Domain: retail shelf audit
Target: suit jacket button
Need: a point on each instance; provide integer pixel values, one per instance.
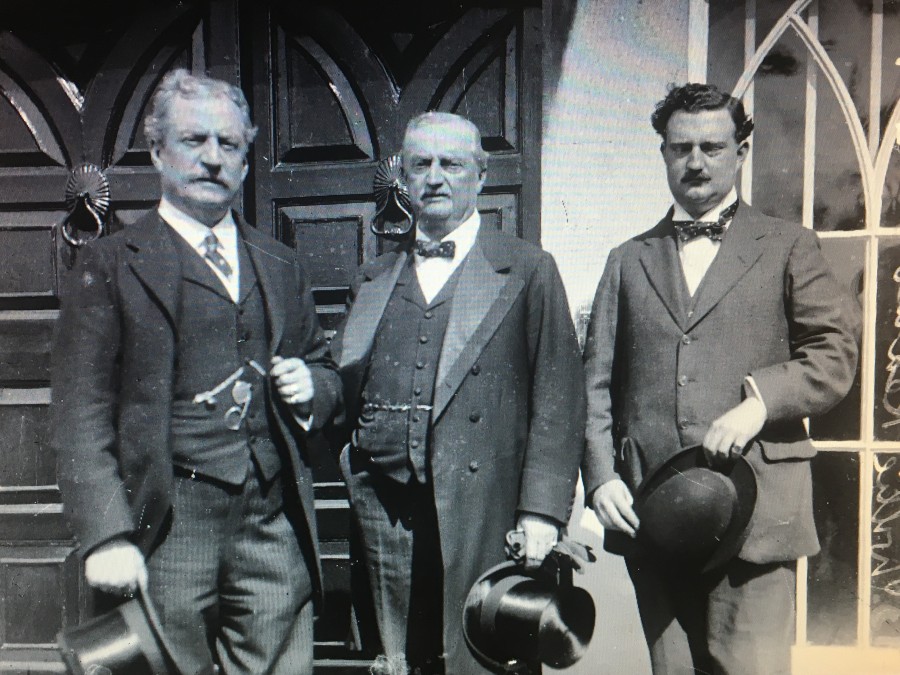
(423, 339)
(683, 380)
(686, 339)
(474, 417)
(683, 424)
(473, 466)
(428, 314)
(414, 444)
(476, 369)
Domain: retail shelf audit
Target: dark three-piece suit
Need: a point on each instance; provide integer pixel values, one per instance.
(145, 326)
(470, 408)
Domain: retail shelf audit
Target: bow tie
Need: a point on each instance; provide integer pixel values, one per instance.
(433, 249)
(690, 229)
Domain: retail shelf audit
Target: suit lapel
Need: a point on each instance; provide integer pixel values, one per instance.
(368, 307)
(661, 264)
(483, 296)
(270, 276)
(740, 249)
(154, 259)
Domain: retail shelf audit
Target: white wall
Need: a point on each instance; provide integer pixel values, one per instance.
(603, 178)
(603, 181)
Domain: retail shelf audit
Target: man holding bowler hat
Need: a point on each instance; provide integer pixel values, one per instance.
(722, 328)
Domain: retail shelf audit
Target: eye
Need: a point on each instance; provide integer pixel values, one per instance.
(712, 149)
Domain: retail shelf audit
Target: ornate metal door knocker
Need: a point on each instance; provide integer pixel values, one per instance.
(393, 211)
(87, 201)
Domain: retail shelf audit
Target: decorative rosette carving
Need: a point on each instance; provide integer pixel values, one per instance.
(87, 201)
(393, 211)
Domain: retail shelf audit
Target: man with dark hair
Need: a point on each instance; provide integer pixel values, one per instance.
(465, 397)
(719, 327)
(187, 368)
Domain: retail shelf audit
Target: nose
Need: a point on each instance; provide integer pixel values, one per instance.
(434, 176)
(695, 159)
(211, 154)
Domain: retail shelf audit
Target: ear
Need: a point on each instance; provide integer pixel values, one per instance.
(662, 148)
(246, 169)
(742, 151)
(482, 177)
(154, 156)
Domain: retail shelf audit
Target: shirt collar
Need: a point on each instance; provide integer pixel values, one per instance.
(464, 236)
(193, 231)
(710, 216)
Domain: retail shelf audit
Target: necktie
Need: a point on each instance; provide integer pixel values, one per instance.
(211, 253)
(433, 249)
(690, 229)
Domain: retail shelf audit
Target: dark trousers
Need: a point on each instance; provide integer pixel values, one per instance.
(400, 548)
(738, 620)
(230, 582)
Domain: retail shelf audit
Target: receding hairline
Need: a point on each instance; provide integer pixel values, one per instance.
(445, 119)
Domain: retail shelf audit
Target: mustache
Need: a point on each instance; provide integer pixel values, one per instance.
(694, 177)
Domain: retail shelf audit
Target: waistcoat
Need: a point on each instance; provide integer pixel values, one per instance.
(395, 418)
(216, 337)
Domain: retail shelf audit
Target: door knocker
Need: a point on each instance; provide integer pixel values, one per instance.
(87, 201)
(393, 211)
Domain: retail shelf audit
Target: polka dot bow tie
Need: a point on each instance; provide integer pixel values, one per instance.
(433, 249)
(690, 229)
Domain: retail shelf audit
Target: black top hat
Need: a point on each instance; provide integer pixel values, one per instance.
(691, 514)
(127, 640)
(514, 617)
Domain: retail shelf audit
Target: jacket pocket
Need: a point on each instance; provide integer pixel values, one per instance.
(778, 451)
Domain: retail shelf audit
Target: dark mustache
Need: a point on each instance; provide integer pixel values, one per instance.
(693, 177)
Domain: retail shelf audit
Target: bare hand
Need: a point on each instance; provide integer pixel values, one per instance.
(541, 535)
(116, 567)
(293, 380)
(729, 434)
(612, 502)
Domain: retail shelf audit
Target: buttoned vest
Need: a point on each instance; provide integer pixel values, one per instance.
(395, 418)
(216, 337)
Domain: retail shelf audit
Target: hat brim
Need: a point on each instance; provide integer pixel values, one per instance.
(742, 478)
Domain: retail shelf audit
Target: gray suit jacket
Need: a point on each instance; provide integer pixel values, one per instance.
(661, 366)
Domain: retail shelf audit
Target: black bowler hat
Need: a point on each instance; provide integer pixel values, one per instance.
(514, 617)
(127, 640)
(694, 515)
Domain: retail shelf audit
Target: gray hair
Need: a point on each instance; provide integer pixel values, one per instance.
(181, 83)
(435, 117)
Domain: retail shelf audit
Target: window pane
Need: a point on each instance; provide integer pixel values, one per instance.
(885, 617)
(832, 576)
(887, 343)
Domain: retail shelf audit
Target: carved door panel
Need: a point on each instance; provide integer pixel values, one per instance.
(331, 85)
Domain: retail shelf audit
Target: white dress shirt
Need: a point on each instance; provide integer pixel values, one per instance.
(698, 253)
(433, 273)
(194, 232)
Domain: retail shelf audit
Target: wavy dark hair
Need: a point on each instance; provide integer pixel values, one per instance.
(694, 97)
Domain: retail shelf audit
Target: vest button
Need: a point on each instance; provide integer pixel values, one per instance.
(416, 419)
(476, 369)
(414, 444)
(691, 314)
(423, 339)
(420, 365)
(473, 466)
(683, 424)
(686, 339)
(417, 391)
(429, 314)
(683, 380)
(474, 417)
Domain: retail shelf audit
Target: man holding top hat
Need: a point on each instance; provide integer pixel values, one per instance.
(188, 366)
(719, 329)
(465, 397)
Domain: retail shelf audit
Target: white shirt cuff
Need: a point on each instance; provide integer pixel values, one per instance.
(750, 389)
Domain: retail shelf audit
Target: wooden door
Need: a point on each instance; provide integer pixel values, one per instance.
(331, 85)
